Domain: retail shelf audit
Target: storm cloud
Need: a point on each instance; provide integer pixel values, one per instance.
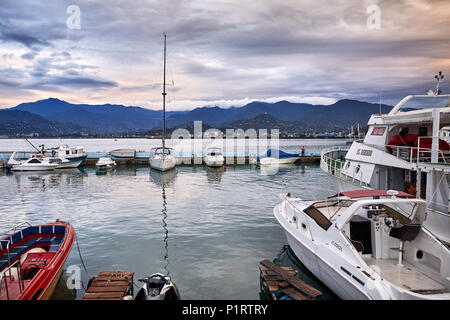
(224, 53)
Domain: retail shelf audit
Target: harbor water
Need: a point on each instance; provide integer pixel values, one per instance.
(206, 228)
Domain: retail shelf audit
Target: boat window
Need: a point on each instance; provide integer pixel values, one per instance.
(423, 131)
(34, 161)
(357, 168)
(67, 152)
(348, 165)
(318, 217)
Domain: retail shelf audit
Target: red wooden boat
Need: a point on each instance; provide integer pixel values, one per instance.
(32, 260)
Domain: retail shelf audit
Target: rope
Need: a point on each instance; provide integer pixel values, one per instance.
(81, 258)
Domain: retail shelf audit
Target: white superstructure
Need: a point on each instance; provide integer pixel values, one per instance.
(402, 151)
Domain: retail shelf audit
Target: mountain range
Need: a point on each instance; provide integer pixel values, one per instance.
(53, 117)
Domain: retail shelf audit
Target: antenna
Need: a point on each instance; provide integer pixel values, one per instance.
(379, 112)
(438, 77)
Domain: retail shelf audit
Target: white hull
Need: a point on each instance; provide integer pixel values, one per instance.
(162, 164)
(214, 161)
(328, 275)
(275, 161)
(38, 167)
(70, 164)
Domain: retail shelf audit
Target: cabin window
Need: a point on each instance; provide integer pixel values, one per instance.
(347, 165)
(357, 168)
(378, 131)
(423, 131)
(67, 152)
(34, 161)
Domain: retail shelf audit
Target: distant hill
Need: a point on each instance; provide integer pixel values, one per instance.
(119, 119)
(107, 118)
(13, 122)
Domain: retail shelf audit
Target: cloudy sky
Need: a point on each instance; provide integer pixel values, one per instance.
(224, 53)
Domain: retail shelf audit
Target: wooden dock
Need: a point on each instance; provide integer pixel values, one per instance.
(276, 280)
(110, 285)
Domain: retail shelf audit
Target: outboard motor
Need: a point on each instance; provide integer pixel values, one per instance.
(157, 287)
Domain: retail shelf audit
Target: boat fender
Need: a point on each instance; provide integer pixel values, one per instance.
(128, 297)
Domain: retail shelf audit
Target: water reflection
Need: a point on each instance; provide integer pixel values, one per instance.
(164, 179)
(42, 180)
(214, 175)
(279, 169)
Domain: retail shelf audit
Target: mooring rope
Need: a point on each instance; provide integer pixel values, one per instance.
(81, 258)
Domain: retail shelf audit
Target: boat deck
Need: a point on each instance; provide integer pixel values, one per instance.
(406, 276)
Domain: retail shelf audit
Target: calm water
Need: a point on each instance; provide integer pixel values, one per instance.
(208, 228)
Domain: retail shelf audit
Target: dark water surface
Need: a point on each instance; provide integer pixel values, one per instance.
(207, 228)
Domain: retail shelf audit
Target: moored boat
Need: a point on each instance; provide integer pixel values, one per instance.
(274, 157)
(214, 157)
(36, 162)
(32, 260)
(157, 287)
(105, 163)
(368, 244)
(122, 153)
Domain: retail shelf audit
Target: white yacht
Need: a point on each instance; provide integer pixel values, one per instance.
(105, 163)
(36, 162)
(214, 157)
(402, 151)
(368, 244)
(162, 158)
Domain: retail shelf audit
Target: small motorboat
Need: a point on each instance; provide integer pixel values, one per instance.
(274, 157)
(368, 244)
(105, 163)
(162, 159)
(214, 157)
(32, 260)
(36, 162)
(157, 287)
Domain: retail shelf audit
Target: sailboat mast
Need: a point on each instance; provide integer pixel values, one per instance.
(164, 97)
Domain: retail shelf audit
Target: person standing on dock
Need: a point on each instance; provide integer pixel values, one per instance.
(303, 151)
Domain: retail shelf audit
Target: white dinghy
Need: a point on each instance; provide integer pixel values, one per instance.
(368, 244)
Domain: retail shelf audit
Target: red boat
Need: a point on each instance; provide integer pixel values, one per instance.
(32, 260)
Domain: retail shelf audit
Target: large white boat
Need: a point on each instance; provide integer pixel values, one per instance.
(402, 151)
(214, 157)
(368, 244)
(36, 162)
(71, 157)
(162, 158)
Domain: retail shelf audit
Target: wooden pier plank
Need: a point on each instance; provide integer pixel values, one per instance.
(109, 285)
(296, 282)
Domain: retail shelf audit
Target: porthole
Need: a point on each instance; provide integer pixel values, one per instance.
(347, 165)
(294, 218)
(358, 167)
(304, 226)
(419, 254)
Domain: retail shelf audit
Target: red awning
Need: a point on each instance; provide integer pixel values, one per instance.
(371, 193)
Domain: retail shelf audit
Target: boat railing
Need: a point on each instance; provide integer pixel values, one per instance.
(419, 154)
(7, 249)
(334, 166)
(5, 277)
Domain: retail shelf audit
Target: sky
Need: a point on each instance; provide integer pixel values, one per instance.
(224, 53)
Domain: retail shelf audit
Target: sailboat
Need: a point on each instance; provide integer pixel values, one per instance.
(162, 158)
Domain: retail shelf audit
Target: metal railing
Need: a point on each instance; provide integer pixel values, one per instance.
(334, 167)
(418, 154)
(5, 277)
